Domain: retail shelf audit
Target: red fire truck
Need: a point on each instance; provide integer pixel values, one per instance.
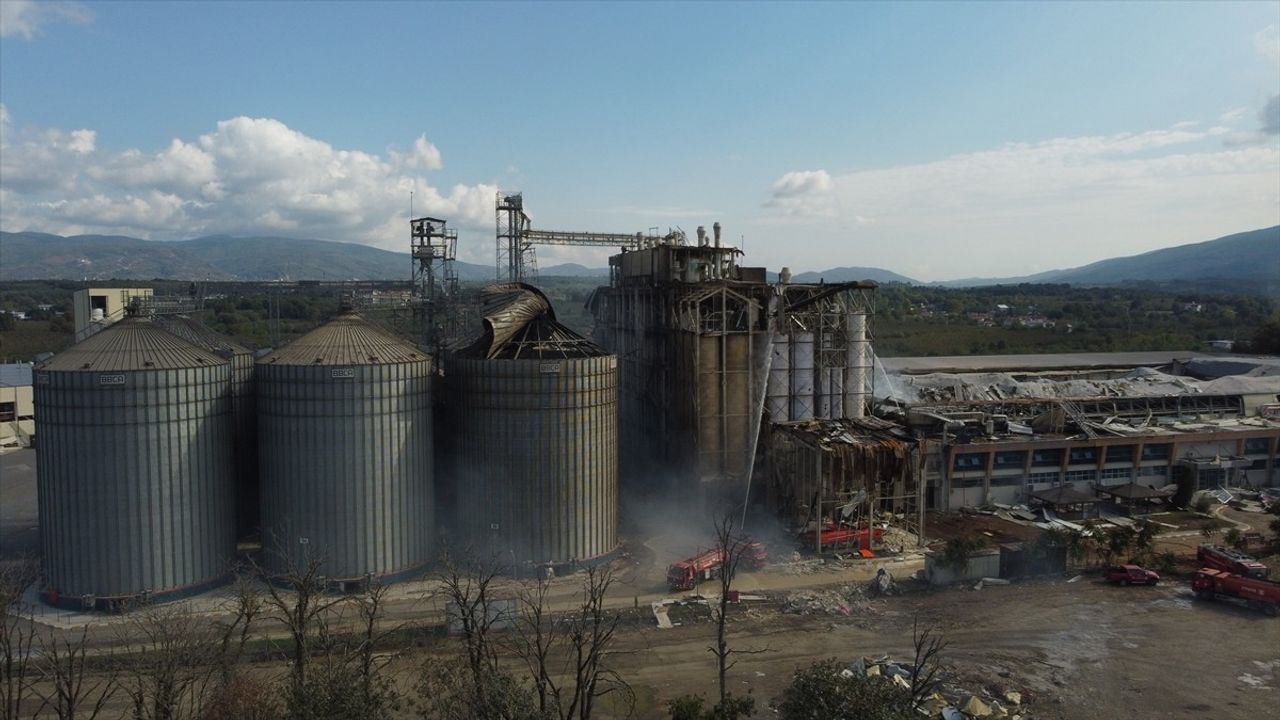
(685, 574)
(1231, 561)
(1257, 593)
(834, 536)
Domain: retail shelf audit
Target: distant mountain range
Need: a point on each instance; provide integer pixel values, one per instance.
(1248, 261)
(850, 274)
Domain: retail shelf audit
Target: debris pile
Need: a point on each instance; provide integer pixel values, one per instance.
(882, 584)
(949, 701)
(845, 600)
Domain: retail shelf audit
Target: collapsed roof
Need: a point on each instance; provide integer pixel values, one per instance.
(519, 323)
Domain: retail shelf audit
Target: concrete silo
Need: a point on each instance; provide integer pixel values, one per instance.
(345, 452)
(244, 413)
(134, 467)
(533, 408)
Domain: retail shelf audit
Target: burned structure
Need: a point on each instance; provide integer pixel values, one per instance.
(710, 351)
(534, 429)
(1129, 431)
(843, 480)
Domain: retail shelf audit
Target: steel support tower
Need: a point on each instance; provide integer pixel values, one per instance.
(433, 248)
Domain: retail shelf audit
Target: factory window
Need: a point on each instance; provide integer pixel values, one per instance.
(971, 461)
(1115, 474)
(8, 413)
(1257, 446)
(968, 482)
(1259, 464)
(1082, 476)
(1014, 459)
(1154, 471)
(1043, 477)
(1120, 453)
(1047, 457)
(1211, 478)
(1084, 455)
(1155, 452)
(1006, 480)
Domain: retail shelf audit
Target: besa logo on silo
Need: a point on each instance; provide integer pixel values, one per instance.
(111, 379)
(342, 373)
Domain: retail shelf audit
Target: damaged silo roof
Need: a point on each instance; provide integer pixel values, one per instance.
(519, 322)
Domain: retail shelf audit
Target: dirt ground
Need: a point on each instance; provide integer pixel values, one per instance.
(1076, 650)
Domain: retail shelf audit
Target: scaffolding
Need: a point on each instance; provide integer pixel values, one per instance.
(433, 249)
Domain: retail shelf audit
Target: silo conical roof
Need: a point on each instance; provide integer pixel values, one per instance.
(346, 340)
(131, 344)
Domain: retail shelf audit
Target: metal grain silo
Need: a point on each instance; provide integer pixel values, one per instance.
(134, 467)
(534, 414)
(345, 452)
(244, 413)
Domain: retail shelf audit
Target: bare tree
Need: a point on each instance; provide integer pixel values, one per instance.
(928, 644)
(466, 583)
(65, 673)
(732, 547)
(582, 640)
(297, 599)
(17, 633)
(233, 634)
(535, 635)
(590, 634)
(167, 672)
(370, 609)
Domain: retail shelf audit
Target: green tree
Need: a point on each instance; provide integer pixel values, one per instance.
(956, 553)
(693, 707)
(827, 690)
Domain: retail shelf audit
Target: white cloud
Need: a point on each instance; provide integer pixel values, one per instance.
(27, 18)
(1267, 43)
(1064, 202)
(803, 192)
(1232, 116)
(247, 176)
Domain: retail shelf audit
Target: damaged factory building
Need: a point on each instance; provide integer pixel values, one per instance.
(737, 389)
(741, 388)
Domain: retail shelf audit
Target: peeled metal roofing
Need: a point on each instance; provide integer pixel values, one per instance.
(131, 344)
(199, 334)
(346, 340)
(519, 322)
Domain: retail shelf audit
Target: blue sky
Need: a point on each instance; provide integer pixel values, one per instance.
(936, 140)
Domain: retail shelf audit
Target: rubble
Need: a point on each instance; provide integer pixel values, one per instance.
(844, 600)
(882, 584)
(950, 701)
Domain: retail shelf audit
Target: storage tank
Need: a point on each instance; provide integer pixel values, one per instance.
(244, 413)
(534, 415)
(345, 452)
(134, 467)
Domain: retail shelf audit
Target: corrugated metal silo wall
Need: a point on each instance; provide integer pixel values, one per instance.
(537, 462)
(346, 467)
(244, 421)
(135, 479)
